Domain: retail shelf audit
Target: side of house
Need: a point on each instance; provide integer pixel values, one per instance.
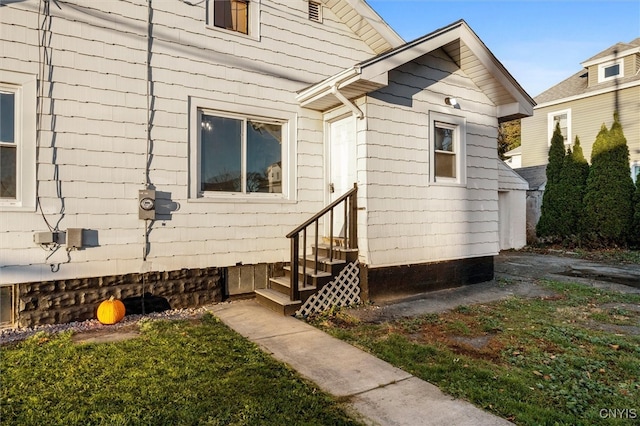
(165, 149)
(608, 82)
(110, 98)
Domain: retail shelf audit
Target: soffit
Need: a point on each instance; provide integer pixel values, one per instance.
(461, 45)
(366, 23)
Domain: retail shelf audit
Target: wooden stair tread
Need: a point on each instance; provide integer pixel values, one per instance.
(286, 282)
(309, 272)
(325, 260)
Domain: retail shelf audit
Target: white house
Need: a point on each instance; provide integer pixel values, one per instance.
(139, 138)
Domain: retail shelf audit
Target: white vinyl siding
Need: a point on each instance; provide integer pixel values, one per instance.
(94, 131)
(408, 218)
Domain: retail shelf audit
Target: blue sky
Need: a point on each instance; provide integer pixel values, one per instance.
(540, 42)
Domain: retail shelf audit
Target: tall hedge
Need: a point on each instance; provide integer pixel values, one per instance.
(550, 223)
(608, 212)
(573, 182)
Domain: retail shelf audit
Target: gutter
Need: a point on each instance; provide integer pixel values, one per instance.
(332, 86)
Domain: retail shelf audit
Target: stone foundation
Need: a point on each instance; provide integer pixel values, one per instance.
(57, 302)
(407, 280)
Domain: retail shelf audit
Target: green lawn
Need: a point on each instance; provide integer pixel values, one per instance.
(572, 359)
(175, 373)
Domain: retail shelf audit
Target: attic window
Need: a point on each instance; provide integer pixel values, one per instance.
(232, 15)
(315, 11)
(610, 70)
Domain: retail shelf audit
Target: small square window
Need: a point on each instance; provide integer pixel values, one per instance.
(232, 15)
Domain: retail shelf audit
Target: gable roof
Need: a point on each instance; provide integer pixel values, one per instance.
(366, 23)
(578, 84)
(509, 179)
(458, 41)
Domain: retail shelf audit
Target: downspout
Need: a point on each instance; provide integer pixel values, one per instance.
(346, 102)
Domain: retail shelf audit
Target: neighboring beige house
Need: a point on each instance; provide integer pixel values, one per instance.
(608, 82)
(139, 144)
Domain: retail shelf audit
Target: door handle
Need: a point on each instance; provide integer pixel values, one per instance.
(332, 189)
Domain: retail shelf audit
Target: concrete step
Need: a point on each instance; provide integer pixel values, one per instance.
(277, 301)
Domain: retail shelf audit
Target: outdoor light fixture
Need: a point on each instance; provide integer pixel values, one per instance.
(451, 101)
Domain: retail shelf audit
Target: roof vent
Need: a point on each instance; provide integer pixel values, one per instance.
(315, 11)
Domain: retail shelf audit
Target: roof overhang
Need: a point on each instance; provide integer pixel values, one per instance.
(611, 57)
(458, 41)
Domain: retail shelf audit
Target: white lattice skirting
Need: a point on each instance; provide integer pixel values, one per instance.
(344, 290)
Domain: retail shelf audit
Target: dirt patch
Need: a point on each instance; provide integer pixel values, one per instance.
(106, 335)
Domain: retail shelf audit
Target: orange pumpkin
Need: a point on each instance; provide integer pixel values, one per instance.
(111, 311)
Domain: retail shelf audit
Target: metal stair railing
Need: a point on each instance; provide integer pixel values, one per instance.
(350, 201)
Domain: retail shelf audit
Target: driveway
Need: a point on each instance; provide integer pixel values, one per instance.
(516, 274)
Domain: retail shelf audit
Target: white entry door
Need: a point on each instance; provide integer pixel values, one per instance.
(342, 165)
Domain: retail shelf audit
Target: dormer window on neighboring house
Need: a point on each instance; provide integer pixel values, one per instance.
(610, 70)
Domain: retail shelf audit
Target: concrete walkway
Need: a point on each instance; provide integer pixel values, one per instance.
(378, 392)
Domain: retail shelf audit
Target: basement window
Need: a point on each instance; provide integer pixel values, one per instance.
(315, 11)
(7, 306)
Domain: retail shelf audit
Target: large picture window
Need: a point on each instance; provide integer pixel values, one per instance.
(240, 154)
(447, 152)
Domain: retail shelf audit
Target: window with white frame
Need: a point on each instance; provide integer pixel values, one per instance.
(17, 140)
(562, 118)
(238, 16)
(447, 153)
(635, 172)
(240, 154)
(9, 136)
(610, 70)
